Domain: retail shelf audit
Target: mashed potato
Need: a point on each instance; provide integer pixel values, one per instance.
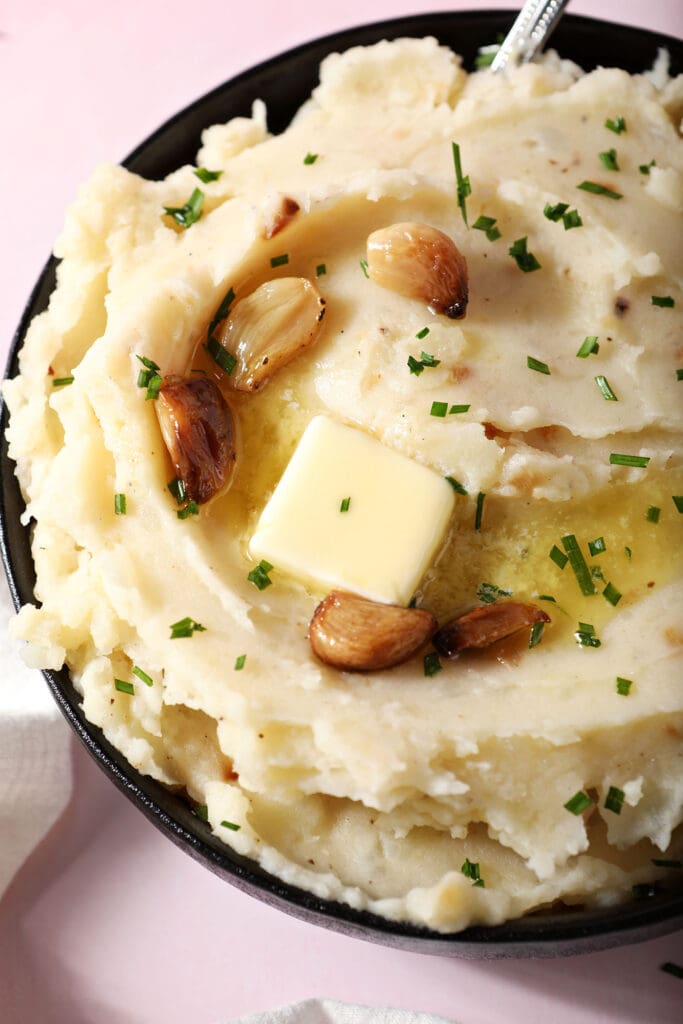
(438, 799)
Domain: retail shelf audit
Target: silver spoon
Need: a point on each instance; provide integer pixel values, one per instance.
(531, 30)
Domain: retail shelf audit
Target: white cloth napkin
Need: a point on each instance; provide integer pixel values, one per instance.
(35, 760)
(328, 1011)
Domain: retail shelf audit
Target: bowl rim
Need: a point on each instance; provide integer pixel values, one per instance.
(539, 934)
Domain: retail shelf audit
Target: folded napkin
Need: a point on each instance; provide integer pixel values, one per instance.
(35, 760)
(328, 1011)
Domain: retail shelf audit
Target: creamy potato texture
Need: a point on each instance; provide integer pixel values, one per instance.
(377, 788)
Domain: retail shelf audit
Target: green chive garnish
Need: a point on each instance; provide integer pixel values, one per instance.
(231, 825)
(220, 355)
(536, 634)
(579, 802)
(422, 334)
(191, 509)
(186, 627)
(671, 968)
(206, 176)
(431, 663)
(153, 387)
(536, 364)
(645, 168)
(486, 56)
(578, 564)
(479, 511)
(415, 366)
(239, 662)
(555, 212)
(608, 160)
(547, 597)
(320, 270)
(639, 461)
(611, 594)
(202, 812)
(188, 214)
(310, 158)
(458, 487)
(123, 687)
(462, 184)
(259, 576)
(177, 489)
(589, 347)
(455, 409)
(279, 261)
(438, 409)
(147, 680)
(585, 635)
(604, 388)
(221, 312)
(663, 300)
(572, 219)
(558, 557)
(119, 504)
(344, 507)
(597, 546)
(599, 190)
(614, 800)
(617, 125)
(471, 870)
(653, 513)
(678, 502)
(488, 593)
(526, 261)
(624, 686)
(61, 382)
(488, 226)
(428, 360)
(679, 374)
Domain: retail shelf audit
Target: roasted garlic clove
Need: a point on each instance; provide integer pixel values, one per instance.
(421, 262)
(484, 626)
(199, 431)
(269, 328)
(357, 635)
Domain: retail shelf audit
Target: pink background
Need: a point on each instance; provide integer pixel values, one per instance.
(108, 923)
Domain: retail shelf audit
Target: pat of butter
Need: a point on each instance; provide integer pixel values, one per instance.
(382, 544)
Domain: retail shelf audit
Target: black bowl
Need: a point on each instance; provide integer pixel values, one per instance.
(284, 83)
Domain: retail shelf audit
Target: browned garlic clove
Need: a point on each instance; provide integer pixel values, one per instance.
(199, 432)
(484, 626)
(421, 262)
(358, 635)
(268, 328)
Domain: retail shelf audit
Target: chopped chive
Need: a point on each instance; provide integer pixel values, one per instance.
(628, 552)
(344, 507)
(624, 686)
(599, 190)
(614, 800)
(428, 360)
(418, 365)
(310, 158)
(259, 576)
(479, 511)
(639, 461)
(653, 513)
(645, 168)
(526, 261)
(422, 334)
(438, 409)
(431, 664)
(153, 386)
(206, 176)
(190, 212)
(558, 556)
(587, 628)
(663, 300)
(589, 347)
(536, 634)
(202, 812)
(678, 502)
(578, 564)
(617, 125)
(279, 261)
(644, 891)
(608, 159)
(149, 364)
(239, 662)
(231, 825)
(62, 382)
(177, 489)
(144, 378)
(486, 56)
(488, 593)
(547, 597)
(679, 374)
(462, 183)
(612, 595)
(119, 504)
(586, 637)
(147, 680)
(186, 627)
(471, 870)
(455, 409)
(604, 388)
(579, 802)
(488, 226)
(597, 573)
(536, 364)
(221, 312)
(220, 355)
(670, 968)
(458, 487)
(597, 546)
(364, 267)
(123, 687)
(555, 212)
(191, 509)
(667, 863)
(320, 270)
(415, 365)
(572, 219)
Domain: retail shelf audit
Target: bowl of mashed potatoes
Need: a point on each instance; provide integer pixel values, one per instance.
(343, 484)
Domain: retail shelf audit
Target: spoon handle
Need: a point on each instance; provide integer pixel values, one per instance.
(530, 32)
